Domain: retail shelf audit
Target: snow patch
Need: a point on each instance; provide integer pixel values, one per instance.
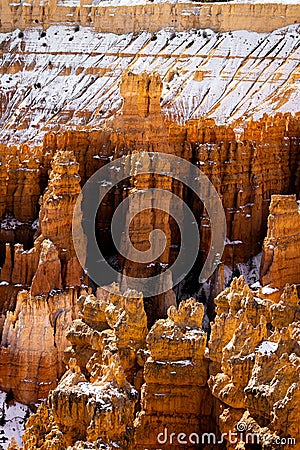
(268, 290)
(267, 347)
(12, 421)
(250, 270)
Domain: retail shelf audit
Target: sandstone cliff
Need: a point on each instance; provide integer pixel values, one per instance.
(281, 246)
(74, 98)
(118, 16)
(49, 277)
(95, 399)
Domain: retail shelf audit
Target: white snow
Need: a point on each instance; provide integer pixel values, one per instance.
(229, 242)
(73, 78)
(227, 275)
(10, 223)
(35, 224)
(268, 290)
(250, 269)
(184, 362)
(267, 347)
(68, 3)
(103, 394)
(12, 418)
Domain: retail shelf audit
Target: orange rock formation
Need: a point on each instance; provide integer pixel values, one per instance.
(246, 382)
(175, 396)
(73, 98)
(95, 394)
(33, 336)
(255, 371)
(282, 245)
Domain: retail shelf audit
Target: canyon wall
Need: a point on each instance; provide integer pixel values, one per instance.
(119, 17)
(75, 94)
(48, 279)
(259, 344)
(281, 245)
(168, 389)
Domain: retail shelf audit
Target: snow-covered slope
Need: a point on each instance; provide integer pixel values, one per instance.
(12, 420)
(69, 78)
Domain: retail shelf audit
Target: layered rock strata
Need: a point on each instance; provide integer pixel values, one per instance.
(94, 402)
(254, 351)
(33, 335)
(122, 17)
(282, 245)
(175, 397)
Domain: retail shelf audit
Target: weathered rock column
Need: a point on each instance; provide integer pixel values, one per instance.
(281, 249)
(175, 398)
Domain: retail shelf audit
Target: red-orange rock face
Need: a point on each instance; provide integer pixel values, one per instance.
(33, 336)
(225, 99)
(95, 393)
(281, 246)
(255, 363)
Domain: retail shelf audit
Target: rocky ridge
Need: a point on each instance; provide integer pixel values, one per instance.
(121, 16)
(255, 371)
(72, 76)
(247, 381)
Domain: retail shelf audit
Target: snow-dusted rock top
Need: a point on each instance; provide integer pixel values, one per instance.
(69, 78)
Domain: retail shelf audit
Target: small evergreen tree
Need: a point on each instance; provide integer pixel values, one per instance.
(9, 399)
(2, 415)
